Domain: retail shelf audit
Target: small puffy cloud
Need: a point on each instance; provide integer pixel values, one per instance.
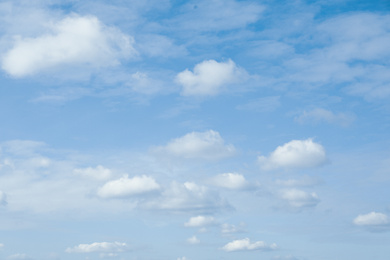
(245, 244)
(98, 247)
(98, 173)
(1, 246)
(188, 197)
(193, 240)
(182, 258)
(298, 199)
(232, 181)
(319, 115)
(3, 198)
(75, 40)
(200, 221)
(126, 186)
(209, 77)
(207, 145)
(295, 154)
(372, 219)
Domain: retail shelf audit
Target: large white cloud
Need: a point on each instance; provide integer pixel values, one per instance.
(372, 219)
(232, 181)
(207, 145)
(98, 247)
(75, 40)
(245, 244)
(209, 77)
(200, 221)
(126, 186)
(295, 154)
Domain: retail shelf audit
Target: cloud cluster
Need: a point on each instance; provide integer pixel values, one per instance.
(98, 247)
(295, 154)
(209, 77)
(207, 145)
(245, 244)
(75, 40)
(125, 186)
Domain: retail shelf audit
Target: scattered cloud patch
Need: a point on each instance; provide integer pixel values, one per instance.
(229, 229)
(75, 40)
(207, 145)
(98, 173)
(3, 198)
(319, 115)
(188, 197)
(246, 245)
(209, 77)
(200, 221)
(19, 257)
(372, 219)
(126, 186)
(295, 154)
(306, 181)
(264, 104)
(182, 258)
(232, 181)
(98, 247)
(298, 199)
(193, 240)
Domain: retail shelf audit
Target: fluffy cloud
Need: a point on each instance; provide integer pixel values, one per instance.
(126, 186)
(200, 221)
(193, 240)
(232, 181)
(98, 173)
(98, 247)
(3, 198)
(372, 219)
(298, 198)
(245, 244)
(207, 145)
(322, 115)
(188, 197)
(295, 154)
(75, 40)
(209, 77)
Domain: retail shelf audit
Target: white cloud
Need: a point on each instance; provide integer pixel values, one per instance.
(232, 181)
(319, 115)
(126, 186)
(188, 197)
(209, 77)
(298, 198)
(3, 198)
(75, 40)
(207, 145)
(245, 244)
(295, 154)
(1, 246)
(98, 247)
(193, 240)
(98, 173)
(372, 219)
(182, 258)
(306, 181)
(200, 221)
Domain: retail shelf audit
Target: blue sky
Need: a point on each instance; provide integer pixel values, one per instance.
(186, 130)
